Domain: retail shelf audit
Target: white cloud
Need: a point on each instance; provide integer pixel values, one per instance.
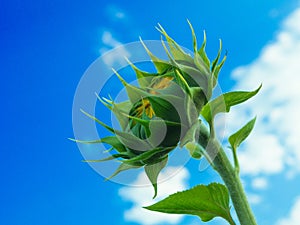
(294, 216)
(274, 145)
(254, 199)
(262, 155)
(115, 57)
(119, 15)
(109, 40)
(115, 13)
(259, 183)
(171, 180)
(216, 220)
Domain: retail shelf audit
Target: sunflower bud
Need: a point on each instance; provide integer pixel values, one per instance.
(163, 112)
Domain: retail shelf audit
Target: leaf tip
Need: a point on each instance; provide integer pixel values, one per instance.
(155, 194)
(146, 207)
(260, 86)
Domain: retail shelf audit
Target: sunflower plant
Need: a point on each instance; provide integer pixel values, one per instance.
(171, 108)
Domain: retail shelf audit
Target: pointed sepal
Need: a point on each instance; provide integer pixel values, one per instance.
(121, 168)
(153, 170)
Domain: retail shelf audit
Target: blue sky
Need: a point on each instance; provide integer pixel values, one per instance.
(46, 48)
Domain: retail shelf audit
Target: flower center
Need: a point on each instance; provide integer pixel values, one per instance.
(144, 105)
(160, 83)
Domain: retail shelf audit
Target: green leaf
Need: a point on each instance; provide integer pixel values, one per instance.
(207, 202)
(224, 102)
(237, 138)
(153, 171)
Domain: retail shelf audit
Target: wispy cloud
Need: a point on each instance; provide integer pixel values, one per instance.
(108, 39)
(115, 12)
(260, 183)
(172, 179)
(294, 217)
(274, 145)
(109, 42)
(254, 199)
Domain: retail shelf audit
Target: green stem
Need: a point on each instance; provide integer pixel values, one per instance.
(232, 180)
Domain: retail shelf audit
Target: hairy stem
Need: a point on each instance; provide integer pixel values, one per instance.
(232, 180)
